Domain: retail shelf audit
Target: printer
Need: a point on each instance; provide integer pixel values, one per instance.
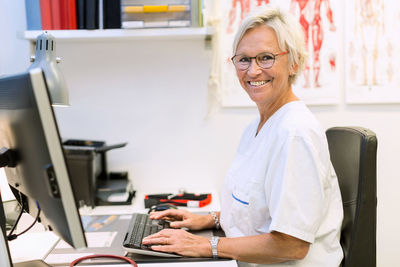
(91, 182)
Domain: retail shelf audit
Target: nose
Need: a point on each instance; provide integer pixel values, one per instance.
(253, 69)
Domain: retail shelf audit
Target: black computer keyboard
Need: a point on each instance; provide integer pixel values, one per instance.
(140, 227)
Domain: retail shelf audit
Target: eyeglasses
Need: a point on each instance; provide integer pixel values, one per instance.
(265, 60)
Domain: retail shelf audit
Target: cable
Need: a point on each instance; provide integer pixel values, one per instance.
(103, 256)
(14, 236)
(17, 220)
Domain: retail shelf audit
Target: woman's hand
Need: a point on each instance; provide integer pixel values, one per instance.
(179, 241)
(182, 218)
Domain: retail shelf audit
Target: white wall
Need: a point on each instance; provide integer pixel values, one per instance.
(14, 53)
(153, 94)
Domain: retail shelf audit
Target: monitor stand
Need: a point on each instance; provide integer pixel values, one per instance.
(5, 256)
(8, 158)
(35, 263)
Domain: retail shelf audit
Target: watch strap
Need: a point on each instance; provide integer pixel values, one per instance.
(214, 245)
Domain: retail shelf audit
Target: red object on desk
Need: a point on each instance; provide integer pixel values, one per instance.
(184, 199)
(132, 262)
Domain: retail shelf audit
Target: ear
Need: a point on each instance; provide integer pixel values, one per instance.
(293, 69)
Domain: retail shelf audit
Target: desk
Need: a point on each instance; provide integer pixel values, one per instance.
(138, 206)
(185, 264)
(37, 244)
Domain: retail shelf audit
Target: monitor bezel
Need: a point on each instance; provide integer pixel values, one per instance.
(57, 157)
(34, 158)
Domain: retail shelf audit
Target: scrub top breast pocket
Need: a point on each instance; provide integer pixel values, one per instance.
(239, 212)
(249, 208)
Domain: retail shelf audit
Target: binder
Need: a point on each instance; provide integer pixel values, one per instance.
(80, 14)
(55, 6)
(45, 13)
(72, 14)
(92, 14)
(33, 17)
(68, 14)
(64, 17)
(112, 14)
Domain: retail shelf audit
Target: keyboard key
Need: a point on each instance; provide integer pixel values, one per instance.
(140, 227)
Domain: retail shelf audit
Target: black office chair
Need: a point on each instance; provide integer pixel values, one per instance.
(353, 155)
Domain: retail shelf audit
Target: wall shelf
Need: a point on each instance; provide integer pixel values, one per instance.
(123, 34)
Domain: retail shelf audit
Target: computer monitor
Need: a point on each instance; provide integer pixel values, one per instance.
(28, 128)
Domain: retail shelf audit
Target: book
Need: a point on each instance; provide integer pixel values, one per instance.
(80, 14)
(33, 17)
(55, 6)
(72, 14)
(92, 14)
(64, 14)
(100, 16)
(45, 13)
(112, 14)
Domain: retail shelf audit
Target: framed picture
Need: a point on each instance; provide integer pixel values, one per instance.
(372, 51)
(318, 84)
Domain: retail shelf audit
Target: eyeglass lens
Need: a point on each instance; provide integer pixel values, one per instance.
(264, 60)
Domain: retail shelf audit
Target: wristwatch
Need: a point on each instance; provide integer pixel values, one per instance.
(214, 243)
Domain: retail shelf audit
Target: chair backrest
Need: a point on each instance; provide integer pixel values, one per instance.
(353, 155)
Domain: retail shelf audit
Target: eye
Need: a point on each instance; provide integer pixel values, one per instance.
(265, 57)
(243, 59)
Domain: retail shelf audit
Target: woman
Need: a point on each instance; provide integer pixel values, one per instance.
(281, 202)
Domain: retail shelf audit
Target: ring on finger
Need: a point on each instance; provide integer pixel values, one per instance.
(166, 241)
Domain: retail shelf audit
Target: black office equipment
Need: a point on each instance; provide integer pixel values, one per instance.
(36, 169)
(140, 227)
(161, 207)
(87, 162)
(353, 155)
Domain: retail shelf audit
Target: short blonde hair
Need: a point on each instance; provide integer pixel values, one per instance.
(288, 31)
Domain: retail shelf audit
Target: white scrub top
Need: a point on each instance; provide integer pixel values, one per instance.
(282, 180)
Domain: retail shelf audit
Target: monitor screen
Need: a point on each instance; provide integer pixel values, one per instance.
(40, 177)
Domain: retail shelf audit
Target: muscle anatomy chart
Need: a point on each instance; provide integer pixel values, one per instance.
(372, 51)
(311, 20)
(319, 82)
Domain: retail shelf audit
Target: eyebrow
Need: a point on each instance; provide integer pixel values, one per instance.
(256, 54)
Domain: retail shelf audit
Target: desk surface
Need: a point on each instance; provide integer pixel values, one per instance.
(181, 264)
(37, 244)
(138, 206)
(186, 264)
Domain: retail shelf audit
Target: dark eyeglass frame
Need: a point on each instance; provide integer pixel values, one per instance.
(274, 56)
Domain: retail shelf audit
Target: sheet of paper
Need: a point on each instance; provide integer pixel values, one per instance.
(31, 246)
(118, 197)
(125, 217)
(94, 240)
(62, 258)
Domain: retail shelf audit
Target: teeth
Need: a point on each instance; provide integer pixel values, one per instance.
(258, 83)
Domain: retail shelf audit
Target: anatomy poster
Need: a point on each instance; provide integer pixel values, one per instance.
(372, 51)
(318, 84)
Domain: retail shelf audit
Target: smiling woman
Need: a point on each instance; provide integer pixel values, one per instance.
(279, 52)
(270, 87)
(280, 202)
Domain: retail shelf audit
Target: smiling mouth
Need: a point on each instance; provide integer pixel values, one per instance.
(258, 83)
